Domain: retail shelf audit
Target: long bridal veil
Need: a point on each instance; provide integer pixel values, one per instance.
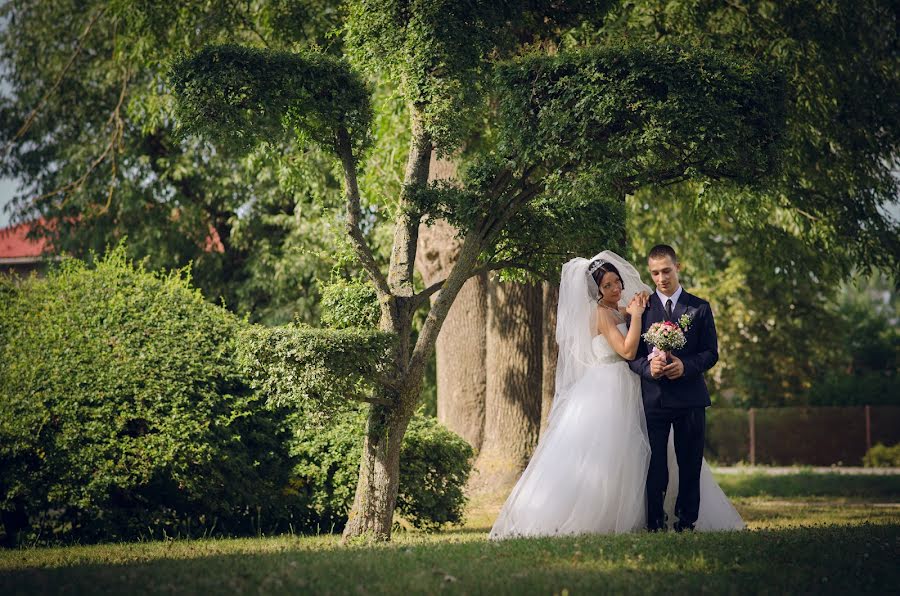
(576, 317)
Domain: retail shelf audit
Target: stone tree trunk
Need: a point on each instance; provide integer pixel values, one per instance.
(461, 345)
(513, 399)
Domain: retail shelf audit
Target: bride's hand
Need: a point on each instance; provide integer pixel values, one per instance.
(635, 307)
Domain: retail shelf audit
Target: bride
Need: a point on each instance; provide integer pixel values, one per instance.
(589, 471)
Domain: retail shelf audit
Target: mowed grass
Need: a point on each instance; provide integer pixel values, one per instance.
(845, 538)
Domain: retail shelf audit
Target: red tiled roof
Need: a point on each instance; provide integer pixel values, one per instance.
(14, 243)
(213, 242)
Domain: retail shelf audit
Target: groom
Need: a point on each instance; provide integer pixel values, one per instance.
(675, 394)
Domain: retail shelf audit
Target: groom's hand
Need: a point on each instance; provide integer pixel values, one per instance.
(675, 369)
(657, 367)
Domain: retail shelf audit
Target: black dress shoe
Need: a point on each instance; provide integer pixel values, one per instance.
(658, 526)
(679, 527)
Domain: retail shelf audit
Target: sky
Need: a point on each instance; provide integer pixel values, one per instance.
(7, 189)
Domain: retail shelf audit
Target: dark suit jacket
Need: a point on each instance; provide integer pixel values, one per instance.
(698, 356)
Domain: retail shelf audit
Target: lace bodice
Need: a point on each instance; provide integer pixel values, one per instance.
(604, 352)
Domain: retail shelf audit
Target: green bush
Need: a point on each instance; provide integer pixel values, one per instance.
(127, 409)
(350, 303)
(434, 466)
(874, 388)
(122, 410)
(315, 371)
(881, 456)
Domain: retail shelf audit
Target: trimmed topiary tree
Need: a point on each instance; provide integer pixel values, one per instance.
(564, 139)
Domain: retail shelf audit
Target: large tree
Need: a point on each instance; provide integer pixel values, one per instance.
(569, 134)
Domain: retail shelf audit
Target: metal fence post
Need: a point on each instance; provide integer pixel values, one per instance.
(868, 427)
(752, 420)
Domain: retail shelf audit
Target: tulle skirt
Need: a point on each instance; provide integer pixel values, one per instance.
(589, 470)
(588, 473)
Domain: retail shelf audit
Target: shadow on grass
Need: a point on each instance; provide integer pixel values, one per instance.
(809, 484)
(813, 559)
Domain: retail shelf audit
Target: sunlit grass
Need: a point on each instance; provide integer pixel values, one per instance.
(835, 539)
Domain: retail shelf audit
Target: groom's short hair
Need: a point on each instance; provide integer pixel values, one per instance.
(661, 251)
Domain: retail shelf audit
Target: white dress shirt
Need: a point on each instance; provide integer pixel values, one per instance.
(674, 298)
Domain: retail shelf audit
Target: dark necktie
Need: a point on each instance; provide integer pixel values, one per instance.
(669, 309)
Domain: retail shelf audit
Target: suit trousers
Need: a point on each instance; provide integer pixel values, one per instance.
(689, 426)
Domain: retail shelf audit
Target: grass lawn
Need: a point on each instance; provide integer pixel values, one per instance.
(838, 534)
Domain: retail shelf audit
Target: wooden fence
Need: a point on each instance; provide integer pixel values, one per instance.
(818, 436)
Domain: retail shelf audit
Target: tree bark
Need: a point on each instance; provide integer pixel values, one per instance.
(461, 353)
(461, 346)
(372, 513)
(550, 350)
(514, 384)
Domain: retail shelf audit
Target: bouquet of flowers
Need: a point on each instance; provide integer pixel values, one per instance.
(664, 336)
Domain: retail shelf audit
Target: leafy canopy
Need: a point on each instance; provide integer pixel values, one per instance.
(240, 96)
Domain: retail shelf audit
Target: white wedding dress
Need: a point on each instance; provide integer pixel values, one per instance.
(588, 473)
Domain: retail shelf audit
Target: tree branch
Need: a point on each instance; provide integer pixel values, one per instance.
(406, 231)
(29, 120)
(248, 23)
(462, 270)
(490, 232)
(115, 141)
(419, 298)
(491, 223)
(372, 400)
(354, 214)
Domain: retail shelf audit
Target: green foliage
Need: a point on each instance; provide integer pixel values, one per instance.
(168, 193)
(125, 410)
(315, 371)
(881, 456)
(637, 114)
(549, 231)
(350, 303)
(840, 388)
(842, 124)
(434, 466)
(241, 96)
(122, 409)
(440, 50)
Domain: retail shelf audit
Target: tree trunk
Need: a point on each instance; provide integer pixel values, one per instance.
(461, 352)
(461, 345)
(550, 350)
(372, 513)
(379, 469)
(514, 384)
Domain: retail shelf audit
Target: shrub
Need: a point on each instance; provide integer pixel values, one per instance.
(434, 466)
(317, 372)
(881, 456)
(350, 303)
(122, 409)
(874, 388)
(127, 407)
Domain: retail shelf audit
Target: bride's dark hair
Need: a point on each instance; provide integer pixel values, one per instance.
(602, 269)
